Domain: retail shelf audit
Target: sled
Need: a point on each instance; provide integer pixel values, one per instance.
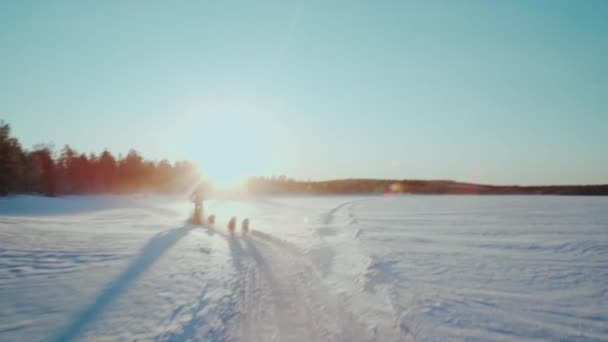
(197, 218)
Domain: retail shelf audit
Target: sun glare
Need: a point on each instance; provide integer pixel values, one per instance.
(235, 143)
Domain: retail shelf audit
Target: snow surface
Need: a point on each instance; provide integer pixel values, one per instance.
(404, 268)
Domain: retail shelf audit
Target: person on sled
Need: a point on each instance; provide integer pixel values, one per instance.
(197, 198)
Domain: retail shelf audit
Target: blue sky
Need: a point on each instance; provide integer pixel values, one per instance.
(484, 91)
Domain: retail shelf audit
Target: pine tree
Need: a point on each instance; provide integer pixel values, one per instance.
(11, 162)
(44, 170)
(107, 169)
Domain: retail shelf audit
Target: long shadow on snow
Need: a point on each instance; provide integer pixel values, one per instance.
(214, 333)
(188, 332)
(236, 251)
(281, 298)
(287, 246)
(260, 262)
(322, 257)
(149, 254)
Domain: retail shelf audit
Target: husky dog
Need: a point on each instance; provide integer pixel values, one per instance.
(232, 224)
(245, 226)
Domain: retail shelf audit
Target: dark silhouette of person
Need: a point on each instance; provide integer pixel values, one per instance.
(197, 197)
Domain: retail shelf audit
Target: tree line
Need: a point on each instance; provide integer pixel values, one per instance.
(285, 185)
(43, 171)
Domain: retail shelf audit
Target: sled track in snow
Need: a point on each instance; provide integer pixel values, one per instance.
(324, 257)
(328, 217)
(285, 300)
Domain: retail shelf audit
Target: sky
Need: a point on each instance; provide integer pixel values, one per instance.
(503, 92)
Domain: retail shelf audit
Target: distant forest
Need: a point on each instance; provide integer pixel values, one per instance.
(43, 171)
(283, 185)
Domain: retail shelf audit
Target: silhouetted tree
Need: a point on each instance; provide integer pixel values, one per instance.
(107, 171)
(67, 170)
(37, 171)
(44, 170)
(84, 176)
(11, 162)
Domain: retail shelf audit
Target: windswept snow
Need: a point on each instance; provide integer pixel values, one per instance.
(404, 268)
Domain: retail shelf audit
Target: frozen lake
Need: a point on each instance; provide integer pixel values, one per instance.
(334, 268)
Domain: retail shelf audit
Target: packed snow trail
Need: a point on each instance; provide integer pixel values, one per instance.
(281, 279)
(424, 268)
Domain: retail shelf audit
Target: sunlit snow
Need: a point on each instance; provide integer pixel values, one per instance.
(365, 268)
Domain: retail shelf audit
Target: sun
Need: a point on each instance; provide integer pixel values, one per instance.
(233, 136)
(235, 147)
